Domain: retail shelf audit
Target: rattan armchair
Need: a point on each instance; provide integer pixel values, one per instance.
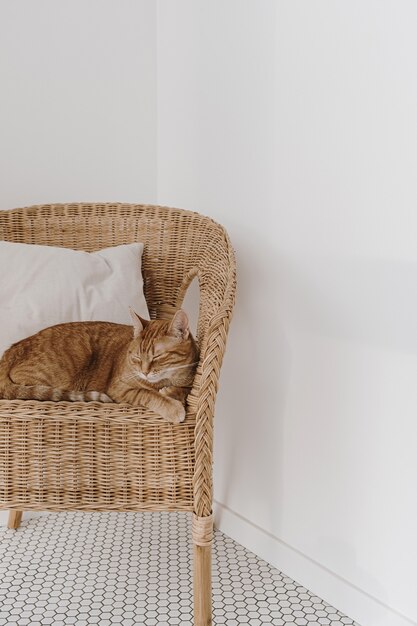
(60, 456)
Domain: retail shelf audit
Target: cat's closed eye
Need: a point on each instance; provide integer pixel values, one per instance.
(136, 358)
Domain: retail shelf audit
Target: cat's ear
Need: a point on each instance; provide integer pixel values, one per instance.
(179, 326)
(138, 322)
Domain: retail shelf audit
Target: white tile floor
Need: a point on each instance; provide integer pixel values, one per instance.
(135, 569)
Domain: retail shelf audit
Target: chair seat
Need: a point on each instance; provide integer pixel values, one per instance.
(91, 456)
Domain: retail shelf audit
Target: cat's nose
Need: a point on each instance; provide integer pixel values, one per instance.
(146, 368)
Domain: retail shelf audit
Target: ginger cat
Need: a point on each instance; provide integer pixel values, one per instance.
(152, 364)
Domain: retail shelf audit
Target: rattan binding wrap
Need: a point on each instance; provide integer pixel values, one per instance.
(90, 456)
(202, 530)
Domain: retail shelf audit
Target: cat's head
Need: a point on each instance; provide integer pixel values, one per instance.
(163, 350)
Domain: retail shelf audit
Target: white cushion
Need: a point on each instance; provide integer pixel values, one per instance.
(42, 285)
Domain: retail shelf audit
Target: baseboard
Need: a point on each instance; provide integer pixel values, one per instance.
(355, 603)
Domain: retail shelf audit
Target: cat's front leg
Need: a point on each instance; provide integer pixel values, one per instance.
(170, 409)
(176, 393)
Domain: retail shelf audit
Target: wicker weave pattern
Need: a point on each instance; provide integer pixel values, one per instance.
(88, 456)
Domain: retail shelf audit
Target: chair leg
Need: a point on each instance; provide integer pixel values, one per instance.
(15, 517)
(202, 540)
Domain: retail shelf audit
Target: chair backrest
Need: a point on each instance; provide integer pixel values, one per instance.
(178, 245)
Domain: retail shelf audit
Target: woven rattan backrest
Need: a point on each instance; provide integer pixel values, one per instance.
(178, 245)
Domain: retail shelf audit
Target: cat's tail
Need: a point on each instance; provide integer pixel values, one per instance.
(44, 393)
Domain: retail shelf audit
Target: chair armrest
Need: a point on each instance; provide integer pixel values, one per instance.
(203, 394)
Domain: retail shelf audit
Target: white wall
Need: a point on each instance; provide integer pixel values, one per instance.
(77, 101)
(295, 125)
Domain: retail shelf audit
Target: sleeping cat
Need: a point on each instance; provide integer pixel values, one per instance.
(152, 364)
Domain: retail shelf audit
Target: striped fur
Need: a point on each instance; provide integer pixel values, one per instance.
(151, 364)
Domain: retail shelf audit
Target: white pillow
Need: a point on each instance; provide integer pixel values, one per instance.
(42, 285)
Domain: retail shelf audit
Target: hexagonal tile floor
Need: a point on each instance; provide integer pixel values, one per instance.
(135, 569)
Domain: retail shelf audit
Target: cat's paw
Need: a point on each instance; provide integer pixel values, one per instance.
(176, 412)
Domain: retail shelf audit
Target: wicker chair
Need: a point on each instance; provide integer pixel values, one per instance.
(100, 457)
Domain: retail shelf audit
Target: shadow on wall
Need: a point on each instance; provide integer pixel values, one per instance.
(367, 582)
(249, 424)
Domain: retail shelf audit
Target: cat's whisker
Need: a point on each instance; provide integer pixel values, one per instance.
(164, 373)
(178, 367)
(135, 377)
(128, 379)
